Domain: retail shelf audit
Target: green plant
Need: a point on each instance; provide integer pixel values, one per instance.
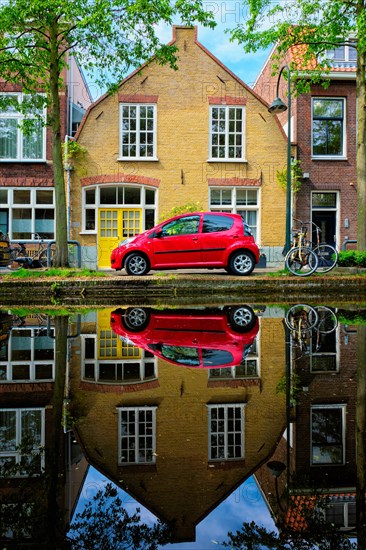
(295, 389)
(296, 177)
(352, 258)
(176, 210)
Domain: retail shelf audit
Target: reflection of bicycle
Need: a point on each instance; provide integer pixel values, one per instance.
(304, 321)
(301, 260)
(32, 257)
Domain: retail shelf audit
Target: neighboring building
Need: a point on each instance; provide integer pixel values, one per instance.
(324, 132)
(27, 202)
(179, 440)
(198, 134)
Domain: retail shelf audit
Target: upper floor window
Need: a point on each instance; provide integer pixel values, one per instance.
(227, 125)
(329, 130)
(137, 435)
(138, 131)
(226, 431)
(345, 55)
(17, 144)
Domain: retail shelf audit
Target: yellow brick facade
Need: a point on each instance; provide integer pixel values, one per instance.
(183, 485)
(182, 172)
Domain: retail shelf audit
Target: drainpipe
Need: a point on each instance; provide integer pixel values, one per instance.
(68, 185)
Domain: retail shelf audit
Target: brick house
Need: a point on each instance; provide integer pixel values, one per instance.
(27, 203)
(324, 136)
(198, 134)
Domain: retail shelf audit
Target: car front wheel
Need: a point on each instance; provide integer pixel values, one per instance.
(137, 264)
(241, 263)
(241, 318)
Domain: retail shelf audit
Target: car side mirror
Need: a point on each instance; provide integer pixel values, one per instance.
(158, 233)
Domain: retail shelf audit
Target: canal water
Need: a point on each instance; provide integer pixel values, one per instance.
(187, 422)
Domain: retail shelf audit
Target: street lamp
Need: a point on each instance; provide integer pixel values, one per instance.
(277, 107)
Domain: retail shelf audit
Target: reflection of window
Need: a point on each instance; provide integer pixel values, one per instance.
(238, 201)
(212, 223)
(227, 133)
(16, 144)
(29, 211)
(226, 431)
(341, 514)
(323, 354)
(138, 131)
(328, 127)
(21, 439)
(328, 434)
(27, 356)
(183, 226)
(137, 435)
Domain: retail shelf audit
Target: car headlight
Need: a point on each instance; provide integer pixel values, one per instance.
(126, 241)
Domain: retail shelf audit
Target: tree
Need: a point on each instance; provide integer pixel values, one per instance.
(109, 35)
(317, 25)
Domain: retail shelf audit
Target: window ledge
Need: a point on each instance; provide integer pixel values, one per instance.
(94, 232)
(324, 157)
(27, 161)
(137, 159)
(227, 160)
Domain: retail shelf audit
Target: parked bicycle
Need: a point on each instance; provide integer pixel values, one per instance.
(301, 260)
(32, 256)
(326, 253)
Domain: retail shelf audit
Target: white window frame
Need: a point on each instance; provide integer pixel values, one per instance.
(138, 121)
(32, 363)
(226, 158)
(342, 407)
(345, 505)
(17, 453)
(135, 438)
(143, 205)
(343, 156)
(321, 353)
(254, 355)
(10, 205)
(235, 208)
(225, 433)
(20, 117)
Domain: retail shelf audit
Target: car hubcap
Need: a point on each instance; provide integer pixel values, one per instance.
(242, 263)
(242, 317)
(137, 265)
(136, 317)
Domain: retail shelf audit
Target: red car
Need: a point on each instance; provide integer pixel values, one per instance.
(193, 338)
(201, 239)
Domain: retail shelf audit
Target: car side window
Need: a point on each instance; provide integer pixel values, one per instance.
(182, 226)
(213, 223)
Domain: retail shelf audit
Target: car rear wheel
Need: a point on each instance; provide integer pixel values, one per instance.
(137, 264)
(241, 263)
(241, 318)
(136, 318)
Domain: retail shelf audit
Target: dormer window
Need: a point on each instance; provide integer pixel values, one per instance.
(344, 55)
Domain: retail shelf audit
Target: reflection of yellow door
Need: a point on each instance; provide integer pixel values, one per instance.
(114, 226)
(110, 346)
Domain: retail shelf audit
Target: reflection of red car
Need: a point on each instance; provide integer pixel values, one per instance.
(194, 338)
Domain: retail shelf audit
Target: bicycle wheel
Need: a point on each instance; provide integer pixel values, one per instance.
(327, 257)
(327, 320)
(301, 317)
(301, 261)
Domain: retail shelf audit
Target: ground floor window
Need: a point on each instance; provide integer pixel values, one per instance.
(137, 435)
(239, 200)
(248, 368)
(26, 211)
(226, 432)
(21, 441)
(328, 434)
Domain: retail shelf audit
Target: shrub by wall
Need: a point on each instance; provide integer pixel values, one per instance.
(352, 258)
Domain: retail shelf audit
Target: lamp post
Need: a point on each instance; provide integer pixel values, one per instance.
(278, 106)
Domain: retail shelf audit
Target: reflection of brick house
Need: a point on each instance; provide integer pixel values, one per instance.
(170, 458)
(324, 132)
(198, 134)
(27, 203)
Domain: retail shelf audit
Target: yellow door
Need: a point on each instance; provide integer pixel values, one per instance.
(114, 226)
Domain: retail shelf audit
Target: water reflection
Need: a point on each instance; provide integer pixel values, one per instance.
(179, 408)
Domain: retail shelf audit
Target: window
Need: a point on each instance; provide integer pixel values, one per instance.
(341, 514)
(117, 196)
(29, 211)
(182, 226)
(137, 435)
(16, 144)
(248, 368)
(138, 131)
(238, 201)
(212, 223)
(227, 126)
(328, 127)
(343, 56)
(226, 432)
(323, 353)
(21, 440)
(328, 434)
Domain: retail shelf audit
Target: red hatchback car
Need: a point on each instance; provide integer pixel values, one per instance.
(200, 239)
(208, 338)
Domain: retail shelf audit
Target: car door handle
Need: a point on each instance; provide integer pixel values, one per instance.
(235, 236)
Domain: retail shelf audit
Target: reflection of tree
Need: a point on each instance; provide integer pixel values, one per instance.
(104, 523)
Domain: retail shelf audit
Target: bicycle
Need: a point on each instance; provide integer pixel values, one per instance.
(300, 260)
(327, 254)
(31, 257)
